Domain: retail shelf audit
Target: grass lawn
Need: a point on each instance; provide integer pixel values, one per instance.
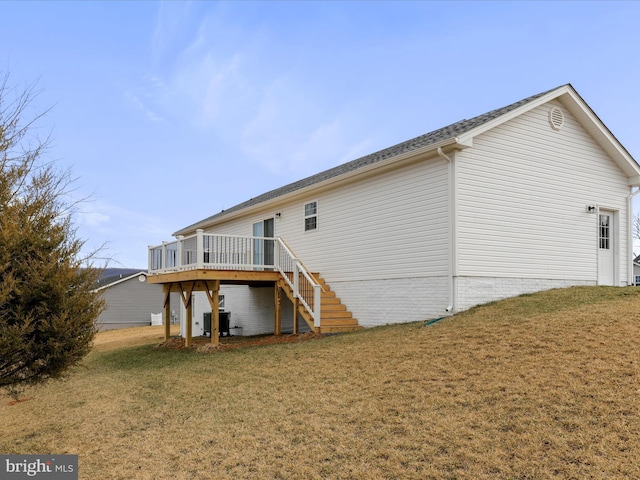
(537, 387)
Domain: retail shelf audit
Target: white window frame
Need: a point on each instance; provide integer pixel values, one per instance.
(313, 215)
(604, 231)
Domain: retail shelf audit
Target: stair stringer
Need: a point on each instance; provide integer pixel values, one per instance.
(334, 316)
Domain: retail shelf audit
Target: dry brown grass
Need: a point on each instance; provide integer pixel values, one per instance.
(542, 386)
(129, 337)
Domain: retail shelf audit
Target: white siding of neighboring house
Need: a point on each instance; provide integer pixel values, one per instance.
(130, 304)
(523, 189)
(381, 242)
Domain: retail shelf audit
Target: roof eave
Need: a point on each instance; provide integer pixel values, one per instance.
(566, 94)
(121, 280)
(468, 136)
(453, 143)
(634, 181)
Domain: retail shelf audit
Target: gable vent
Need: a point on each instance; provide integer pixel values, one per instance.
(556, 118)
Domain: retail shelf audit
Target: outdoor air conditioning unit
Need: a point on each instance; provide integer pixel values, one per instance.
(223, 327)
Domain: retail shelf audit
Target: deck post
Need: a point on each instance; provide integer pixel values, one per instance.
(296, 306)
(166, 289)
(276, 253)
(317, 301)
(199, 248)
(179, 252)
(189, 322)
(277, 320)
(163, 267)
(215, 313)
(213, 294)
(296, 277)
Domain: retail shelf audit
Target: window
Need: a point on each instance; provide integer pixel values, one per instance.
(637, 280)
(604, 232)
(310, 216)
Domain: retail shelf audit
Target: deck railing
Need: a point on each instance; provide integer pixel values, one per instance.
(232, 252)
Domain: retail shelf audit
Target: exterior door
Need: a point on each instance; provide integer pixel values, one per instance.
(606, 254)
(263, 249)
(268, 245)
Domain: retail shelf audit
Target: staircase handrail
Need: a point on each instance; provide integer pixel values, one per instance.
(300, 268)
(290, 252)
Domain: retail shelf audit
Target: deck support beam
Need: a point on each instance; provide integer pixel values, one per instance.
(189, 324)
(296, 306)
(277, 320)
(212, 289)
(188, 304)
(166, 290)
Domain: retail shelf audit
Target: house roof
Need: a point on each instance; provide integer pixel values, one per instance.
(460, 133)
(116, 276)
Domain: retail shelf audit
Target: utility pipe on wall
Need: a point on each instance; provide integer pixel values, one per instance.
(452, 230)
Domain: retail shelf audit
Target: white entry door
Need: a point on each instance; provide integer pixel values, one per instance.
(606, 255)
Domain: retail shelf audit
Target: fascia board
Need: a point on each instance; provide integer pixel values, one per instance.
(305, 191)
(567, 95)
(634, 181)
(609, 143)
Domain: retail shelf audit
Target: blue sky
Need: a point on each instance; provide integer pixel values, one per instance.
(168, 112)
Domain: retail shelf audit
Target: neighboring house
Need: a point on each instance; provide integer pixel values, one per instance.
(130, 300)
(636, 271)
(532, 196)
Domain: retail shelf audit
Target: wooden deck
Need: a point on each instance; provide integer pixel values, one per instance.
(229, 277)
(204, 261)
(334, 316)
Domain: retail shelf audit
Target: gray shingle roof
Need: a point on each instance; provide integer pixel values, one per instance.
(431, 138)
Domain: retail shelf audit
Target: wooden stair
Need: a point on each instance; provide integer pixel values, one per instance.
(334, 316)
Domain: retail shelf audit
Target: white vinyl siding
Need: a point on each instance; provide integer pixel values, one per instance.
(241, 226)
(392, 225)
(387, 226)
(250, 311)
(523, 192)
